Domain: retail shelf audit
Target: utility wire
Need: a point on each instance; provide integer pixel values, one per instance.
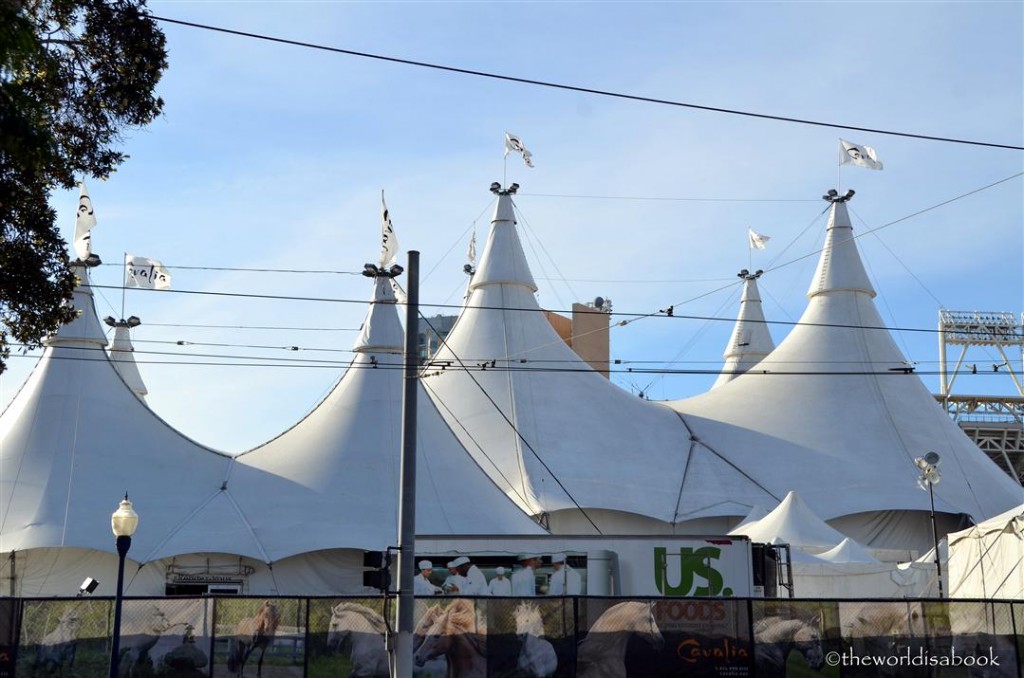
(630, 317)
(483, 366)
(573, 88)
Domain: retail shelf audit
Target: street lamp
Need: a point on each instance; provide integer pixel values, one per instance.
(123, 522)
(928, 465)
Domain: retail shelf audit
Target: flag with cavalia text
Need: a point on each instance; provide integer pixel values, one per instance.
(757, 240)
(514, 144)
(389, 241)
(145, 273)
(858, 155)
(471, 252)
(84, 223)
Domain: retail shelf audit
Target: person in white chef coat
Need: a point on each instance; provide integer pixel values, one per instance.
(453, 584)
(473, 581)
(500, 585)
(524, 580)
(421, 584)
(565, 581)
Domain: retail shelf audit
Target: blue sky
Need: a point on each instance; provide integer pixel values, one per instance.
(274, 156)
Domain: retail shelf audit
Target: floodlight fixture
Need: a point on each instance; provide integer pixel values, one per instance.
(87, 587)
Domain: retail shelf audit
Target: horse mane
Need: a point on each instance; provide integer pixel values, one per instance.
(375, 620)
(620, 617)
(779, 629)
(527, 614)
(461, 618)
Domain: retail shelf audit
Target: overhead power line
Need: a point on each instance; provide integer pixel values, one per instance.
(630, 316)
(469, 366)
(584, 90)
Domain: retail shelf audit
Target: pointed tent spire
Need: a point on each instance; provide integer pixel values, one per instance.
(381, 331)
(85, 330)
(503, 260)
(840, 266)
(122, 355)
(795, 523)
(751, 341)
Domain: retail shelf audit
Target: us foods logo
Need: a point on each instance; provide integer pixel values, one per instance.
(697, 575)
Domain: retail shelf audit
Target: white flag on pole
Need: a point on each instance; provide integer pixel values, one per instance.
(861, 156)
(147, 274)
(471, 252)
(514, 144)
(389, 241)
(757, 241)
(83, 224)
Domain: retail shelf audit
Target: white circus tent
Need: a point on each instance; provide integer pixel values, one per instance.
(836, 413)
(291, 517)
(574, 446)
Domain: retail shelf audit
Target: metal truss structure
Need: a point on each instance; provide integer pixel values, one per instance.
(994, 423)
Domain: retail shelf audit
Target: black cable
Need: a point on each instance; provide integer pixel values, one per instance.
(631, 316)
(481, 366)
(584, 90)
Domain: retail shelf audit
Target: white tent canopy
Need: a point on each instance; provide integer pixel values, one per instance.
(792, 522)
(987, 560)
(848, 551)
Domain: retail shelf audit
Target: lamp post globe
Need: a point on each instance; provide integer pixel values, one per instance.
(123, 522)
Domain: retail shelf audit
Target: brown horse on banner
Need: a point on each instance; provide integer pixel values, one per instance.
(251, 634)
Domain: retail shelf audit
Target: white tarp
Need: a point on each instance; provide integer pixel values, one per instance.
(987, 560)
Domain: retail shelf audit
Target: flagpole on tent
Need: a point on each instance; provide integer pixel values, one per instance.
(750, 252)
(124, 286)
(839, 169)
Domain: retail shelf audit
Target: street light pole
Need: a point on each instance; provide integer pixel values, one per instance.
(935, 538)
(929, 467)
(123, 522)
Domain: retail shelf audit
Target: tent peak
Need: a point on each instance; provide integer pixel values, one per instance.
(840, 267)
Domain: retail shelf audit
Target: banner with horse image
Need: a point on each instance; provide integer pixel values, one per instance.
(165, 638)
(450, 638)
(346, 637)
(884, 629)
(664, 637)
(255, 636)
(618, 638)
(65, 637)
(8, 638)
(794, 637)
(985, 633)
(531, 637)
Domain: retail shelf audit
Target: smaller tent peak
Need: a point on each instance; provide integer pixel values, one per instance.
(121, 350)
(503, 260)
(840, 267)
(381, 331)
(750, 341)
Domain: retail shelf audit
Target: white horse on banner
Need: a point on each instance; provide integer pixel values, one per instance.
(537, 658)
(58, 646)
(602, 654)
(366, 630)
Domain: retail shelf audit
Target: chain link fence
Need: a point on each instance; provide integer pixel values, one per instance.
(514, 637)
